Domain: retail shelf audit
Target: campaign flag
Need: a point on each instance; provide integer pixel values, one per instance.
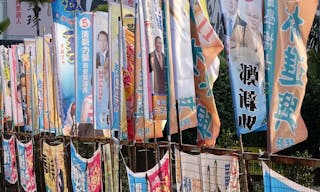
(137, 181)
(15, 86)
(9, 160)
(101, 70)
(26, 166)
(95, 172)
(171, 99)
(115, 68)
(55, 176)
(39, 81)
(144, 125)
(128, 81)
(63, 12)
(288, 24)
(29, 60)
(206, 172)
(108, 169)
(206, 46)
(273, 181)
(79, 177)
(115, 165)
(215, 16)
(84, 67)
(220, 172)
(188, 175)
(243, 40)
(5, 78)
(183, 64)
(159, 176)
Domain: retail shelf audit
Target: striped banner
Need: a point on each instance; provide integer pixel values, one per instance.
(286, 58)
(206, 45)
(26, 166)
(55, 175)
(273, 182)
(243, 22)
(9, 160)
(183, 63)
(84, 67)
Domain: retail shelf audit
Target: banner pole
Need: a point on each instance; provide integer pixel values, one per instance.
(243, 166)
(179, 129)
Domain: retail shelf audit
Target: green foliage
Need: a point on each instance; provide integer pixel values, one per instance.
(4, 25)
(301, 174)
(222, 94)
(102, 7)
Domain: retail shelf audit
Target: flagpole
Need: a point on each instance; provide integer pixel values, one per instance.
(243, 166)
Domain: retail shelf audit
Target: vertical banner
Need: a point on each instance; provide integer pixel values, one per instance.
(55, 176)
(137, 181)
(95, 172)
(108, 169)
(183, 63)
(84, 67)
(128, 80)
(159, 175)
(171, 99)
(215, 16)
(289, 66)
(273, 181)
(29, 60)
(244, 48)
(63, 13)
(206, 46)
(79, 177)
(5, 79)
(15, 86)
(115, 165)
(9, 160)
(115, 12)
(26, 166)
(102, 69)
(155, 62)
(39, 79)
(144, 126)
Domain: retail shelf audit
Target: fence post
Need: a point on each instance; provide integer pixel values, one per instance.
(243, 167)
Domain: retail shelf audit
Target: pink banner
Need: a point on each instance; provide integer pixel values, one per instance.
(95, 172)
(159, 176)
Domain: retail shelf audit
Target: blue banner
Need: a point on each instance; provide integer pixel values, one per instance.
(63, 12)
(274, 182)
(244, 47)
(137, 181)
(78, 171)
(101, 71)
(84, 65)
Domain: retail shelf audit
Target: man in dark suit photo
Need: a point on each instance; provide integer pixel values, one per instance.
(89, 5)
(103, 44)
(156, 65)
